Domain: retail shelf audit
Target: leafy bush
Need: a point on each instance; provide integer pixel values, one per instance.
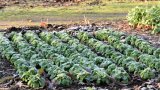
(145, 16)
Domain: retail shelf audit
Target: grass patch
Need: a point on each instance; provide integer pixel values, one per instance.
(21, 13)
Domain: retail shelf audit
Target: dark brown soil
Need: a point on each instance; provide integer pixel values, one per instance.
(7, 73)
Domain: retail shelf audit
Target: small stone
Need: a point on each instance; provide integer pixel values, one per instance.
(143, 88)
(150, 86)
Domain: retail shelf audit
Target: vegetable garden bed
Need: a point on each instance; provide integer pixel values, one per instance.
(104, 58)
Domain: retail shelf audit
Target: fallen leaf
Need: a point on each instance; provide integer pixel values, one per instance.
(19, 84)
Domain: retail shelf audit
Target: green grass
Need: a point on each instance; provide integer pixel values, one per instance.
(71, 12)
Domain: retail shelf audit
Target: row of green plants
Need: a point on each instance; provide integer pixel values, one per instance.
(133, 40)
(77, 66)
(146, 17)
(57, 66)
(142, 45)
(38, 58)
(122, 60)
(128, 50)
(89, 62)
(117, 73)
(26, 70)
